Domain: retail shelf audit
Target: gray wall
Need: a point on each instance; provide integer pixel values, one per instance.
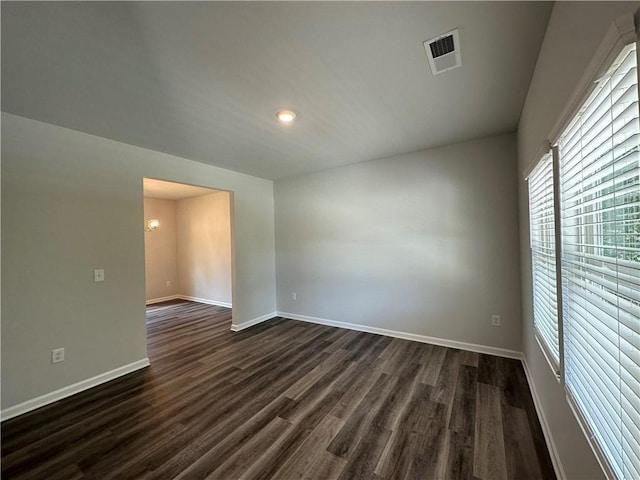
(575, 31)
(72, 202)
(425, 243)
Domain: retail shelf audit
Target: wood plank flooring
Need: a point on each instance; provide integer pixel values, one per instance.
(286, 400)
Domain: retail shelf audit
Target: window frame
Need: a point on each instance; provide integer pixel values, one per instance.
(596, 290)
(622, 32)
(557, 366)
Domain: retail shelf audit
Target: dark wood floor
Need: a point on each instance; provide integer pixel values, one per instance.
(286, 400)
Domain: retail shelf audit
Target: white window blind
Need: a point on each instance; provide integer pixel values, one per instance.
(543, 257)
(600, 212)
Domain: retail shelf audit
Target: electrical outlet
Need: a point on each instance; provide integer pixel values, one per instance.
(294, 296)
(168, 283)
(495, 320)
(57, 355)
(98, 275)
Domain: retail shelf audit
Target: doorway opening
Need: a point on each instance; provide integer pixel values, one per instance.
(188, 244)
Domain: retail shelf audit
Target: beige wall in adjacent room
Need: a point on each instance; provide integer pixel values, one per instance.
(191, 249)
(423, 243)
(204, 247)
(160, 249)
(71, 203)
(575, 32)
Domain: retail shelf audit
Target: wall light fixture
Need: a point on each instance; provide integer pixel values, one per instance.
(152, 225)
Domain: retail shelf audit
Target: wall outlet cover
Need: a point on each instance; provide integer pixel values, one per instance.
(57, 355)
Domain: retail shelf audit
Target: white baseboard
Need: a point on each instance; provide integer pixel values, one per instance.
(472, 347)
(204, 300)
(250, 323)
(553, 451)
(67, 391)
(190, 298)
(151, 301)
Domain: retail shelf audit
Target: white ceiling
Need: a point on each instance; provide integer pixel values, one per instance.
(172, 191)
(203, 80)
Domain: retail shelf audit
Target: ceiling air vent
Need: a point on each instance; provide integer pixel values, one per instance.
(443, 52)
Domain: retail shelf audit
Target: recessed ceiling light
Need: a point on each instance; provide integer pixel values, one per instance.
(285, 116)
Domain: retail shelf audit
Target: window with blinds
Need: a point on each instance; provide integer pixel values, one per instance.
(600, 213)
(543, 257)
